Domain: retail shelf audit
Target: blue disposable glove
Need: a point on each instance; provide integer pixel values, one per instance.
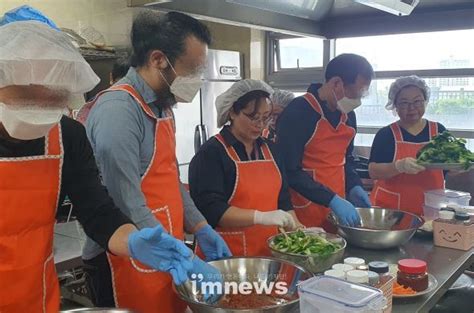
(359, 198)
(212, 244)
(157, 249)
(207, 280)
(345, 211)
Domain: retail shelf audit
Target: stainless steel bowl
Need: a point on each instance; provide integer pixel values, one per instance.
(313, 263)
(380, 228)
(249, 269)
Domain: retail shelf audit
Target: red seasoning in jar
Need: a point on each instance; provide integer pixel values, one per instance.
(412, 273)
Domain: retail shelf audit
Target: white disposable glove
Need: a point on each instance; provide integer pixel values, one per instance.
(278, 218)
(408, 166)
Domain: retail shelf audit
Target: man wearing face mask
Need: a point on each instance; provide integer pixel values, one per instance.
(131, 129)
(316, 137)
(44, 157)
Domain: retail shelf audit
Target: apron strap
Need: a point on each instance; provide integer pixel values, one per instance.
(311, 99)
(267, 155)
(433, 129)
(397, 132)
(229, 149)
(53, 142)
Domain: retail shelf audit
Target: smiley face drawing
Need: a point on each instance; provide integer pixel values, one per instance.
(450, 238)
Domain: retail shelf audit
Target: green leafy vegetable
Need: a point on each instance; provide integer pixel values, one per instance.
(303, 243)
(445, 148)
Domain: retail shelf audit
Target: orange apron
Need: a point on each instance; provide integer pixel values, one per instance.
(323, 159)
(406, 192)
(137, 286)
(29, 195)
(257, 186)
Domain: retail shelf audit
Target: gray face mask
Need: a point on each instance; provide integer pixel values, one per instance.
(184, 88)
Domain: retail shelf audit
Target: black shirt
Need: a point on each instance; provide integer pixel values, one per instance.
(383, 146)
(295, 126)
(80, 180)
(212, 176)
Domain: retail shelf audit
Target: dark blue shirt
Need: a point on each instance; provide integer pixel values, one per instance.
(295, 126)
(383, 147)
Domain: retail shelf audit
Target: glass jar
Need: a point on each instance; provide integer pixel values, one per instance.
(412, 273)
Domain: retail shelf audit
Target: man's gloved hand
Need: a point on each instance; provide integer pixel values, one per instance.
(345, 211)
(278, 218)
(161, 251)
(212, 244)
(207, 279)
(408, 166)
(359, 198)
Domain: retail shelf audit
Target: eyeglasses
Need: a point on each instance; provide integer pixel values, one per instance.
(265, 120)
(405, 104)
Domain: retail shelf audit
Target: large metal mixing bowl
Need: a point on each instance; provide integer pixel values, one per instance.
(380, 228)
(314, 263)
(250, 269)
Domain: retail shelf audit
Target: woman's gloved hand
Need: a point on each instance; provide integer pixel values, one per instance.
(278, 218)
(408, 166)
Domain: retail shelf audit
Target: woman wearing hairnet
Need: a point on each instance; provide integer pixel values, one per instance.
(280, 99)
(401, 182)
(45, 156)
(235, 179)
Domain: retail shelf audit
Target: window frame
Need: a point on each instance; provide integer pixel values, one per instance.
(299, 79)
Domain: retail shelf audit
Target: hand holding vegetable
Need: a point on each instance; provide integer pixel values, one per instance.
(408, 166)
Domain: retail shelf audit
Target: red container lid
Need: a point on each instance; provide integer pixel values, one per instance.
(412, 266)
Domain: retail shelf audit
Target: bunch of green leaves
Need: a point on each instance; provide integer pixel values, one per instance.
(445, 148)
(303, 243)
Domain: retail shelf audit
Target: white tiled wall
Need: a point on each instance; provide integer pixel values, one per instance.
(110, 17)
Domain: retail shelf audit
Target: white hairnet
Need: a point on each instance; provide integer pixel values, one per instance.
(33, 53)
(403, 82)
(282, 97)
(225, 101)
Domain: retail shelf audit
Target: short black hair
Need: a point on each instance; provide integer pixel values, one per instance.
(120, 68)
(245, 100)
(348, 66)
(166, 32)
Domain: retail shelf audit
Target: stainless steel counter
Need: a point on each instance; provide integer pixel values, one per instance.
(68, 242)
(445, 264)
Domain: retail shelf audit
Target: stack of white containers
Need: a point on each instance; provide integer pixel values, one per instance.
(442, 198)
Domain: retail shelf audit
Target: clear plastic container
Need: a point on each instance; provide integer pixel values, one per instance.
(323, 294)
(440, 198)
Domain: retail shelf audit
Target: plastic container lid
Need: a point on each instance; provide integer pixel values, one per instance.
(448, 193)
(461, 216)
(412, 266)
(335, 273)
(345, 293)
(343, 267)
(446, 215)
(357, 276)
(374, 278)
(378, 267)
(354, 261)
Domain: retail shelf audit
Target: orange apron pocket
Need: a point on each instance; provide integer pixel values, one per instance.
(236, 241)
(386, 199)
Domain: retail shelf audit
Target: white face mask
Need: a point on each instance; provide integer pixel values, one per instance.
(346, 105)
(184, 88)
(29, 122)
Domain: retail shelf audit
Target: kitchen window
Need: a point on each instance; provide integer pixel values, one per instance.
(444, 59)
(296, 53)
